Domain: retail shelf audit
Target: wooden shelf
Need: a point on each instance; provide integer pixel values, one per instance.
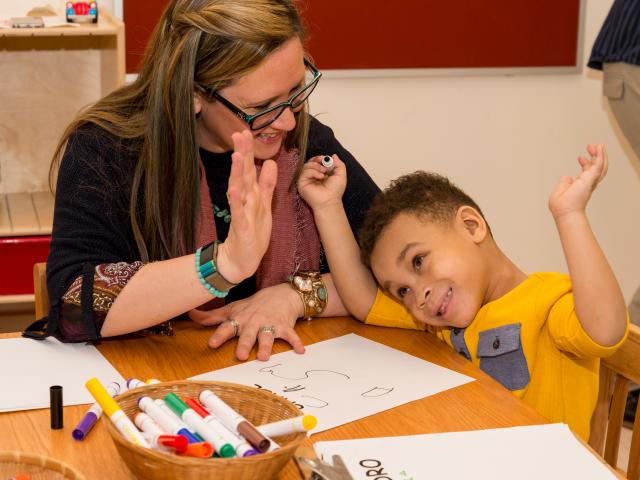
(105, 26)
(26, 214)
(16, 299)
(48, 76)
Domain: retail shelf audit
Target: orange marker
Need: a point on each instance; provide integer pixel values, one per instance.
(200, 450)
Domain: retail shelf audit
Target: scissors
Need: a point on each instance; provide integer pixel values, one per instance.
(321, 470)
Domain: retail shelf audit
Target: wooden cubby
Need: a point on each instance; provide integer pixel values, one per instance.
(47, 76)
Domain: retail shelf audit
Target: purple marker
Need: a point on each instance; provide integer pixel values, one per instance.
(135, 383)
(93, 414)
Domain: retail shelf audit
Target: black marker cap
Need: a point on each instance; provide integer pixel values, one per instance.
(55, 406)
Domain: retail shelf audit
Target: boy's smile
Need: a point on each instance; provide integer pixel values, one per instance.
(437, 269)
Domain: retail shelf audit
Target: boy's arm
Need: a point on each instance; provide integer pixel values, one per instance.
(599, 303)
(353, 281)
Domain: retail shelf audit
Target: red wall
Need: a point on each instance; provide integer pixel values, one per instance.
(17, 256)
(416, 33)
(140, 17)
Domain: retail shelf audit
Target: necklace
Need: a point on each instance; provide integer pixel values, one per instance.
(224, 214)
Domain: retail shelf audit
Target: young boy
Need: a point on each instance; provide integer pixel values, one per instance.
(432, 251)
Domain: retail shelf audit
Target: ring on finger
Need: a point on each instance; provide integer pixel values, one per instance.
(268, 329)
(236, 326)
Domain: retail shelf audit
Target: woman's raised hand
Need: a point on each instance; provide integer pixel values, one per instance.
(250, 203)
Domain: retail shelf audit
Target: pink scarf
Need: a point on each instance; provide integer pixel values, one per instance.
(295, 244)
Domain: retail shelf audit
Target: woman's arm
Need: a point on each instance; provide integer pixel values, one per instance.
(158, 292)
(599, 303)
(91, 228)
(163, 290)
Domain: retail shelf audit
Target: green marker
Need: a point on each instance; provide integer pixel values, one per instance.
(195, 422)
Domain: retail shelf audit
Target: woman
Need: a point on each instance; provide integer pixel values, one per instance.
(143, 176)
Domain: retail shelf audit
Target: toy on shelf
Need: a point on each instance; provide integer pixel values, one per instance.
(82, 12)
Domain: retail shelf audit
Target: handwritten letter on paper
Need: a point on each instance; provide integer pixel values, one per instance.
(343, 379)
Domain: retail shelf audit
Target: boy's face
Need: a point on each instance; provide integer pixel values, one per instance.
(437, 270)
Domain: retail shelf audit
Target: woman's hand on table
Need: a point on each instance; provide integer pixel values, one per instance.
(278, 306)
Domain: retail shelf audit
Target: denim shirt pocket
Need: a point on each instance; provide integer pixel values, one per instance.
(502, 357)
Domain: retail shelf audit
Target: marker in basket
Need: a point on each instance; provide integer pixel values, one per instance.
(21, 476)
(303, 423)
(93, 414)
(199, 448)
(158, 438)
(174, 443)
(165, 408)
(240, 445)
(168, 423)
(195, 422)
(234, 421)
(151, 429)
(115, 413)
(135, 383)
(147, 424)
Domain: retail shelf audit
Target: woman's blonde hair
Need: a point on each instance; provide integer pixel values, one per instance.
(196, 43)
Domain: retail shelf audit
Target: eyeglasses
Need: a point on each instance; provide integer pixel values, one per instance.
(269, 115)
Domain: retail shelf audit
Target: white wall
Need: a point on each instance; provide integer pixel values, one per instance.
(505, 140)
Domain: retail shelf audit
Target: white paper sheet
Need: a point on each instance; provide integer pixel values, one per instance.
(537, 452)
(343, 379)
(29, 367)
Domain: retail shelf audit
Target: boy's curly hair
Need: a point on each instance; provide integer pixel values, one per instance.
(427, 195)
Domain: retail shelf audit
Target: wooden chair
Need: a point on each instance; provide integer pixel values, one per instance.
(616, 372)
(40, 290)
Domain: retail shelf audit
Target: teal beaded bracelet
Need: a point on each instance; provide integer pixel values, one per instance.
(208, 273)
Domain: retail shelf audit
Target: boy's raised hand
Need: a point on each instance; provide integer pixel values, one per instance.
(572, 194)
(317, 187)
(250, 204)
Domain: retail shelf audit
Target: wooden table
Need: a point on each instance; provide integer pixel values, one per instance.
(475, 405)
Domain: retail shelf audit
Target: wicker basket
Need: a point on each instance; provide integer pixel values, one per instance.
(38, 467)
(255, 405)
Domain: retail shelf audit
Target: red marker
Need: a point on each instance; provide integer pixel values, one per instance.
(174, 442)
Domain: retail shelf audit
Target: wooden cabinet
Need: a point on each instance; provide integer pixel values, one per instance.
(46, 76)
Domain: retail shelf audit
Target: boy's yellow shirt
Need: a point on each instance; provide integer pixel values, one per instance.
(531, 341)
